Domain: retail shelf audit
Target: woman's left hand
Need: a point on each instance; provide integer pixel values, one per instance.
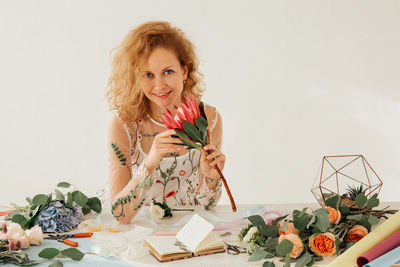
(208, 162)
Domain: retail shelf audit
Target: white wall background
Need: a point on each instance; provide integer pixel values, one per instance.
(293, 80)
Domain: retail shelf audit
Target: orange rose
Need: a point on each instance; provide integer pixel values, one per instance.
(356, 233)
(298, 244)
(290, 229)
(322, 244)
(334, 215)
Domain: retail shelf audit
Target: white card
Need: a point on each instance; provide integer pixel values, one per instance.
(194, 231)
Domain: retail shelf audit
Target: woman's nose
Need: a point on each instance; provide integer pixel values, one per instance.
(159, 82)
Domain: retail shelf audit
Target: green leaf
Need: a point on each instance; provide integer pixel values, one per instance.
(303, 260)
(201, 107)
(49, 198)
(361, 199)
(365, 222)
(311, 263)
(95, 204)
(284, 247)
(185, 139)
(287, 261)
(59, 195)
(73, 253)
(373, 220)
(268, 230)
(18, 218)
(271, 243)
(57, 263)
(256, 220)
(322, 220)
(268, 264)
(70, 198)
(301, 221)
(333, 202)
(49, 253)
(79, 198)
(259, 255)
(372, 203)
(277, 220)
(64, 184)
(192, 131)
(40, 199)
(344, 210)
(202, 124)
(337, 247)
(86, 209)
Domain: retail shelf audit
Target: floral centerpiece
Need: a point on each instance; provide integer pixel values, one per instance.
(190, 125)
(307, 235)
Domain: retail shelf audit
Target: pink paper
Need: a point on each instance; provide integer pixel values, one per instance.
(392, 242)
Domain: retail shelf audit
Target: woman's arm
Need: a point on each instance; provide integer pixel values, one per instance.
(127, 189)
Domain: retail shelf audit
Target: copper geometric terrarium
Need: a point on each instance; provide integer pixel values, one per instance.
(339, 173)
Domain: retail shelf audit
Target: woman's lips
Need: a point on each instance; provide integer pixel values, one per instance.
(162, 96)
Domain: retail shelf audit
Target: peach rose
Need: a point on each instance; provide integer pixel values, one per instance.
(298, 244)
(356, 233)
(35, 235)
(322, 244)
(334, 215)
(14, 228)
(290, 229)
(19, 240)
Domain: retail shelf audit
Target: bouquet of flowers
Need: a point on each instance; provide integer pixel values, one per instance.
(190, 126)
(56, 212)
(309, 235)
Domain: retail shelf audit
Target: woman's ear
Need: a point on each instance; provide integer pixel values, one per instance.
(185, 72)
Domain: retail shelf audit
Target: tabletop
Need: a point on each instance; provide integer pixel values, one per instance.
(221, 215)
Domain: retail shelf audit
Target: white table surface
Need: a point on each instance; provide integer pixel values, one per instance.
(225, 259)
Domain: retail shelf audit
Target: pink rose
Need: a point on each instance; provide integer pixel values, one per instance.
(35, 235)
(14, 228)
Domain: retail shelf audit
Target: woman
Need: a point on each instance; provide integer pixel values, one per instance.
(155, 67)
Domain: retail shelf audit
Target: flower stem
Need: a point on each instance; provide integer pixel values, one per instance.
(182, 209)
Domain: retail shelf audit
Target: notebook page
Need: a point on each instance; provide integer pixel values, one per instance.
(194, 231)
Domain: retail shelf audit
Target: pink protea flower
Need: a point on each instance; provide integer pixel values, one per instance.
(190, 112)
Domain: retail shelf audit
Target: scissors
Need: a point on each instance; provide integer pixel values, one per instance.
(63, 238)
(234, 250)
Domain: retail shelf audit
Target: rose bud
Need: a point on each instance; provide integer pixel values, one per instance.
(334, 215)
(356, 233)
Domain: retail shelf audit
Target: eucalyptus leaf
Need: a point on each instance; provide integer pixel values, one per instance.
(57, 263)
(95, 204)
(59, 195)
(70, 198)
(73, 253)
(301, 221)
(40, 199)
(372, 203)
(268, 230)
(361, 199)
(312, 220)
(49, 253)
(268, 264)
(287, 261)
(356, 217)
(284, 247)
(344, 210)
(63, 184)
(29, 200)
(277, 220)
(86, 209)
(333, 202)
(259, 254)
(20, 219)
(303, 260)
(256, 220)
(79, 198)
(373, 220)
(322, 220)
(271, 243)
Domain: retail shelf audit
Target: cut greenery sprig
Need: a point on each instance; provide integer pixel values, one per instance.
(191, 128)
(27, 215)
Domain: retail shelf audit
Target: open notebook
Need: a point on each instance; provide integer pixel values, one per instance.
(194, 239)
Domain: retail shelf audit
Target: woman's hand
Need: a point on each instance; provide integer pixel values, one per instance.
(163, 144)
(210, 160)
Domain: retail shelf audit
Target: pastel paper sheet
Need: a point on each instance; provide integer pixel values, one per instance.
(386, 260)
(392, 242)
(381, 232)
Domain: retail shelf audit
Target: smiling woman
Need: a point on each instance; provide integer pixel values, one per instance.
(155, 68)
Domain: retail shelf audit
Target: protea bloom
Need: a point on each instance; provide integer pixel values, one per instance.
(190, 126)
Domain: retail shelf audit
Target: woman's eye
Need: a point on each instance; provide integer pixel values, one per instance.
(169, 71)
(148, 75)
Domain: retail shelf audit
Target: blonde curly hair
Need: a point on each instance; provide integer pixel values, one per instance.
(125, 95)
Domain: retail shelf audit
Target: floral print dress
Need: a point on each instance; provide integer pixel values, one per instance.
(176, 180)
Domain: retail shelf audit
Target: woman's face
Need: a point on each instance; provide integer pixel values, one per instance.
(162, 79)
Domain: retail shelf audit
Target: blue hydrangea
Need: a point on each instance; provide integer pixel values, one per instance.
(56, 218)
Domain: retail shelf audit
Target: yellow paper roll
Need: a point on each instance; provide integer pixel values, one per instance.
(382, 231)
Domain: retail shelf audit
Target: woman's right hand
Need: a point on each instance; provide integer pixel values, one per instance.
(163, 144)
